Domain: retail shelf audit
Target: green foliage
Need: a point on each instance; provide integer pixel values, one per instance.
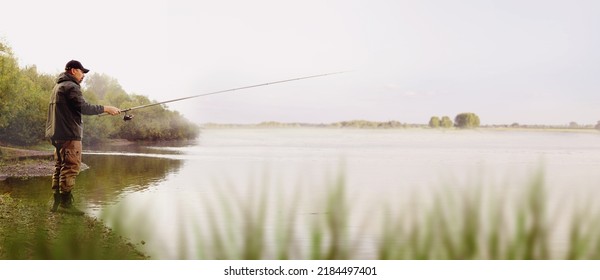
(29, 232)
(102, 85)
(434, 122)
(157, 123)
(369, 124)
(466, 120)
(150, 124)
(573, 125)
(23, 101)
(451, 222)
(9, 84)
(446, 122)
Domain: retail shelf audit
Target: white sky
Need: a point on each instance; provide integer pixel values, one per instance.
(529, 61)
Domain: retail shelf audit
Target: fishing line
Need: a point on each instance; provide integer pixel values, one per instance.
(128, 117)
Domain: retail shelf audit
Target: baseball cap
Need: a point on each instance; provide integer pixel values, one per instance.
(76, 65)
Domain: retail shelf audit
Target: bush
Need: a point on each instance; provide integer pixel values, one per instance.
(466, 120)
(434, 122)
(446, 122)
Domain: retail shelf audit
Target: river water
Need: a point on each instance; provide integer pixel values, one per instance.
(172, 199)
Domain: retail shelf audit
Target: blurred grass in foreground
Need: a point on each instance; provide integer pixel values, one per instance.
(456, 223)
(452, 223)
(29, 231)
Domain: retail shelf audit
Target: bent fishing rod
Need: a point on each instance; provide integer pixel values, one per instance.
(128, 117)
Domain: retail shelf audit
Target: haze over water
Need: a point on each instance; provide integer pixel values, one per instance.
(170, 195)
(379, 166)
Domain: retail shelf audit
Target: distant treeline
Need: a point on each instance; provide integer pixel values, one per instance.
(24, 95)
(541, 126)
(387, 125)
(343, 124)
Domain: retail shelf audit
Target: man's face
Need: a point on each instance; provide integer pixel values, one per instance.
(78, 74)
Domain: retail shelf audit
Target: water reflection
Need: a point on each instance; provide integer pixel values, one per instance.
(141, 147)
(113, 175)
(180, 190)
(108, 178)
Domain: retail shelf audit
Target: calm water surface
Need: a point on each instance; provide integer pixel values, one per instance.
(171, 193)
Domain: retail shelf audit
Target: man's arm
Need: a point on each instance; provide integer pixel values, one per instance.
(76, 98)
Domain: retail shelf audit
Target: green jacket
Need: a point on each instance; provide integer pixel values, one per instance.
(65, 110)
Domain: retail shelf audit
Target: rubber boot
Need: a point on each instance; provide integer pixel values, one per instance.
(57, 201)
(67, 204)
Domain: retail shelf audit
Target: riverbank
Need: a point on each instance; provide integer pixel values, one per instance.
(29, 231)
(24, 163)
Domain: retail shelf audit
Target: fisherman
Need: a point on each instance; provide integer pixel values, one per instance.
(64, 129)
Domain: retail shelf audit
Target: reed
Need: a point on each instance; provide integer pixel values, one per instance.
(465, 223)
(468, 223)
(30, 232)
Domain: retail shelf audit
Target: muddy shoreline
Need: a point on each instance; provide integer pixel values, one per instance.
(30, 231)
(23, 163)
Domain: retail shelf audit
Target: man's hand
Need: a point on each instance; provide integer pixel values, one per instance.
(112, 110)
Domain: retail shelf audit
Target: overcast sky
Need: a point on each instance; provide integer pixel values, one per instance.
(527, 61)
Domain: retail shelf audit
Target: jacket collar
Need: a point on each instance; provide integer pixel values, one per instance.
(65, 76)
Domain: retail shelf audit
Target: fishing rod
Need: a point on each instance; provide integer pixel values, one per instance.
(128, 117)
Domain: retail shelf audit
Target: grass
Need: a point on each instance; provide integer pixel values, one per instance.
(469, 223)
(31, 232)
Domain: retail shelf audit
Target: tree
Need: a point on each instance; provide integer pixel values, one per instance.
(9, 77)
(102, 84)
(23, 101)
(598, 125)
(466, 120)
(573, 125)
(446, 122)
(434, 122)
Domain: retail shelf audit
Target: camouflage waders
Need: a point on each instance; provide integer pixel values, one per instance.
(67, 163)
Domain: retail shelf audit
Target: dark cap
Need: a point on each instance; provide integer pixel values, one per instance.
(76, 65)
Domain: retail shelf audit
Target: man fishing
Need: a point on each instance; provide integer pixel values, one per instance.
(64, 129)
